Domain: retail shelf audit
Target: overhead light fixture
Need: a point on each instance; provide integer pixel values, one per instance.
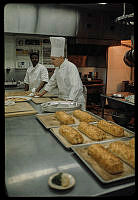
(102, 3)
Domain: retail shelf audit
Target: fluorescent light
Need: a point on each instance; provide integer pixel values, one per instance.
(102, 3)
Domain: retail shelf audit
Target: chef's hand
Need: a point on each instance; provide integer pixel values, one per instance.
(41, 94)
(37, 94)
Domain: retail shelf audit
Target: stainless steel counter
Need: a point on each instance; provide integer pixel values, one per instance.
(32, 154)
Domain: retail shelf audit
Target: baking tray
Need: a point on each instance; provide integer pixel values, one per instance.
(49, 120)
(82, 152)
(127, 132)
(53, 106)
(87, 140)
(64, 142)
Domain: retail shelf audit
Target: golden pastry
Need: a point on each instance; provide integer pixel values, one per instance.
(132, 142)
(123, 151)
(64, 118)
(71, 134)
(105, 159)
(91, 131)
(83, 116)
(113, 129)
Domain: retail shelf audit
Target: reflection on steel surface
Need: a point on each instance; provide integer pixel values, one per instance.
(38, 173)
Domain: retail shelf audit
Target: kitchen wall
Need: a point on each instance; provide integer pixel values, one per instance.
(13, 72)
(17, 60)
(118, 71)
(101, 72)
(10, 58)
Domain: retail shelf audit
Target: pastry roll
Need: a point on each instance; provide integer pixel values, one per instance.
(71, 134)
(83, 116)
(124, 152)
(64, 118)
(108, 161)
(132, 143)
(113, 129)
(91, 131)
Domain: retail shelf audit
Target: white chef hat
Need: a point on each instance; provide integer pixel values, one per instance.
(57, 46)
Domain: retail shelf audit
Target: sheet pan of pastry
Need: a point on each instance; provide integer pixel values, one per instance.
(86, 138)
(105, 177)
(49, 120)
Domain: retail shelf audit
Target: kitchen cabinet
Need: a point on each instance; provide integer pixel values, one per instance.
(101, 26)
(94, 90)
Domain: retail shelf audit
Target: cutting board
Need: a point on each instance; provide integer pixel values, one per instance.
(17, 93)
(40, 100)
(26, 93)
(19, 109)
(48, 94)
(44, 99)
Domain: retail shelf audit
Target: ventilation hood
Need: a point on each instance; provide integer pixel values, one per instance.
(46, 19)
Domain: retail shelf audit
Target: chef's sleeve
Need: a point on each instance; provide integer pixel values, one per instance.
(76, 84)
(44, 74)
(26, 79)
(52, 83)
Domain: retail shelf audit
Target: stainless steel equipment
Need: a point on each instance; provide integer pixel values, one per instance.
(59, 105)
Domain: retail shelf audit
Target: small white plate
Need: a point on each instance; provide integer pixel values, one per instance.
(58, 187)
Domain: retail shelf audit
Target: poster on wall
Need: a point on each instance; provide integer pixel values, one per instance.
(25, 45)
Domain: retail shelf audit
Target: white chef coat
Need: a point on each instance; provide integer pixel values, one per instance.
(34, 76)
(67, 79)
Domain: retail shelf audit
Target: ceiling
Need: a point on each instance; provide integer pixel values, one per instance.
(114, 10)
(109, 7)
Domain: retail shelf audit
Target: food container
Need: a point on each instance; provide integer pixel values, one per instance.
(59, 105)
(118, 95)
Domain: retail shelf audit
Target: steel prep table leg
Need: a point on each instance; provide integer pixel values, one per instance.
(103, 99)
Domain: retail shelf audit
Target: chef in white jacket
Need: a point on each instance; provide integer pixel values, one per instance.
(36, 75)
(66, 76)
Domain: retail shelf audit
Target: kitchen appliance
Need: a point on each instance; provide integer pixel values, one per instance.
(129, 58)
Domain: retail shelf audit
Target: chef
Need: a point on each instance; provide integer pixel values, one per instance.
(66, 76)
(36, 75)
